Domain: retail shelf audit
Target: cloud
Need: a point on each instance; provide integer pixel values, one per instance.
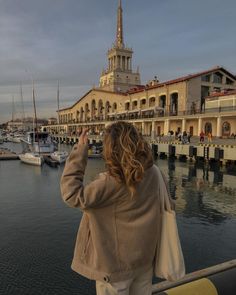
(67, 40)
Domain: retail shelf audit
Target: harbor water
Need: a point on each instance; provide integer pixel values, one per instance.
(38, 230)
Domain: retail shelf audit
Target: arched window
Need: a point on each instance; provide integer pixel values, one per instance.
(152, 101)
(127, 106)
(208, 128)
(77, 116)
(107, 108)
(86, 114)
(114, 107)
(81, 114)
(162, 101)
(100, 109)
(93, 109)
(143, 103)
(226, 129)
(174, 104)
(134, 105)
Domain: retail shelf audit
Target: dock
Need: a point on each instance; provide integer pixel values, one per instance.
(6, 154)
(222, 151)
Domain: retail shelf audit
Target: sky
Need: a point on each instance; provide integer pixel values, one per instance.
(67, 40)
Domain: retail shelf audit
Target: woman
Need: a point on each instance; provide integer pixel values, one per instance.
(120, 227)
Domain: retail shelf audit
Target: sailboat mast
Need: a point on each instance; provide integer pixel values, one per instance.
(58, 104)
(22, 103)
(35, 116)
(58, 116)
(13, 108)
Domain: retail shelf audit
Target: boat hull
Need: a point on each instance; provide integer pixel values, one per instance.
(51, 162)
(59, 156)
(31, 159)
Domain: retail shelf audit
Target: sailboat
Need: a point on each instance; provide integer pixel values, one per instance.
(33, 158)
(59, 156)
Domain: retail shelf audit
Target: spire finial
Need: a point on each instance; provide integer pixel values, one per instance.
(119, 33)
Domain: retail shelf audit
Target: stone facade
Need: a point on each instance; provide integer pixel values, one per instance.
(182, 104)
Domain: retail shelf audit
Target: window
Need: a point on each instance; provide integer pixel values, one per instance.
(226, 129)
(208, 128)
(114, 107)
(152, 101)
(229, 81)
(205, 91)
(162, 101)
(217, 78)
(206, 78)
(127, 106)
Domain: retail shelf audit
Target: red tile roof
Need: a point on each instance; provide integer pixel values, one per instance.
(186, 78)
(218, 94)
(141, 88)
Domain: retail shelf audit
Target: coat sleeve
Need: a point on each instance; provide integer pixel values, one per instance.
(74, 192)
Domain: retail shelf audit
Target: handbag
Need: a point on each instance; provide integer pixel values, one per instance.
(169, 260)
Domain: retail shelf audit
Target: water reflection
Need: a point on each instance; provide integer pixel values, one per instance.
(201, 191)
(38, 231)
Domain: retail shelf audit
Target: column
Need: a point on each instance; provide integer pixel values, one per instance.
(143, 127)
(166, 126)
(199, 125)
(183, 125)
(153, 133)
(218, 127)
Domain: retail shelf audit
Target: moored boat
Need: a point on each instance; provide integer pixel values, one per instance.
(51, 162)
(16, 138)
(40, 142)
(59, 156)
(31, 158)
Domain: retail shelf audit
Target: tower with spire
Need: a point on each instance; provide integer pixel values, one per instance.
(119, 76)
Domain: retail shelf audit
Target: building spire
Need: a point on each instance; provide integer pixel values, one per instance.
(119, 33)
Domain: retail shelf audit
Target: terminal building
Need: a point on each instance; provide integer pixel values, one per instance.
(203, 101)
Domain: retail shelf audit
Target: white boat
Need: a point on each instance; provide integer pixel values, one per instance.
(16, 138)
(40, 142)
(59, 156)
(31, 158)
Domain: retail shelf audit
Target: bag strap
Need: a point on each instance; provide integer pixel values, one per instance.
(163, 192)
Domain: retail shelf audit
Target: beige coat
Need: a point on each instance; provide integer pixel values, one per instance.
(118, 235)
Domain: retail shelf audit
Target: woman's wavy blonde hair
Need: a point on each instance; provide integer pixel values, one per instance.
(126, 154)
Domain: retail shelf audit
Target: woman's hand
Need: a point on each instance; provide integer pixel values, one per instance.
(83, 138)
